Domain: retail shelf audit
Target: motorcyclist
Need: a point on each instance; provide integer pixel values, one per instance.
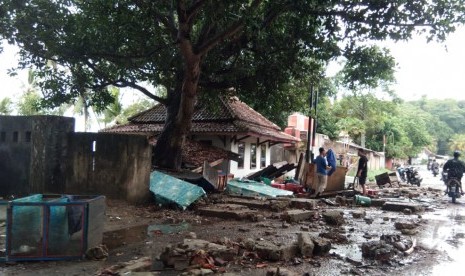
(455, 168)
(435, 167)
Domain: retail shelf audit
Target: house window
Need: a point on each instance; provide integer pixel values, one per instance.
(253, 156)
(15, 137)
(27, 137)
(262, 156)
(3, 136)
(241, 152)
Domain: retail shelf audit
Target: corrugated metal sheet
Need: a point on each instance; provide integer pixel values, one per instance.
(253, 188)
(170, 190)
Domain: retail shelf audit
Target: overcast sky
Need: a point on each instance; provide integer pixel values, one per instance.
(436, 70)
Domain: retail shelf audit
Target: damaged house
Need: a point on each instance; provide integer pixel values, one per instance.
(230, 125)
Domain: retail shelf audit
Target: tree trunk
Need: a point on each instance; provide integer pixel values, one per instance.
(180, 109)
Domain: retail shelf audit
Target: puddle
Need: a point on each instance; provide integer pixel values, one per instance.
(157, 229)
(118, 238)
(446, 236)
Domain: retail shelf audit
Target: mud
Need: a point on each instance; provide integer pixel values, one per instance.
(133, 233)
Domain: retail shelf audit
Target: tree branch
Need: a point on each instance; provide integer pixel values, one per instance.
(163, 19)
(124, 83)
(209, 44)
(192, 11)
(144, 91)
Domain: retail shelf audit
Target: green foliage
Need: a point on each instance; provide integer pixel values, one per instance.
(6, 106)
(457, 143)
(258, 47)
(446, 118)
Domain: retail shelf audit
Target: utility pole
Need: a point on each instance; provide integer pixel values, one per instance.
(311, 134)
(308, 153)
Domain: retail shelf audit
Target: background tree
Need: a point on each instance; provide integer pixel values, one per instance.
(457, 142)
(196, 47)
(6, 106)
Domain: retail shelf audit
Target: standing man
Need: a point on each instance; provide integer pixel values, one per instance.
(321, 172)
(362, 169)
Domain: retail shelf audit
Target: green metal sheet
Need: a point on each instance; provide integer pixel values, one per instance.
(169, 190)
(253, 188)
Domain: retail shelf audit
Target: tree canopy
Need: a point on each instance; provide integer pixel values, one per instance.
(196, 48)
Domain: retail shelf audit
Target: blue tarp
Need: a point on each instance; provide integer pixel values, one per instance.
(254, 188)
(168, 190)
(331, 161)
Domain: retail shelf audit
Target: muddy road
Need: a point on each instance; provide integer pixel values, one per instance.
(260, 237)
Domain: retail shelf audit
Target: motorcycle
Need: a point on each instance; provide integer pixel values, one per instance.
(401, 172)
(413, 177)
(435, 171)
(453, 188)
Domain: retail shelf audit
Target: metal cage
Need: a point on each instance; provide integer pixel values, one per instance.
(50, 227)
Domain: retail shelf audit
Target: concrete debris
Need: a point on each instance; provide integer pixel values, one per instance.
(138, 265)
(322, 246)
(334, 218)
(270, 251)
(378, 250)
(400, 225)
(97, 253)
(359, 214)
(280, 272)
(400, 206)
(303, 203)
(306, 244)
(297, 215)
(334, 236)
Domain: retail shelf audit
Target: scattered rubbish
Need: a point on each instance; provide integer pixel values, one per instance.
(97, 253)
(362, 200)
(170, 190)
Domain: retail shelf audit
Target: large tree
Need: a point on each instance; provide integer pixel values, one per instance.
(195, 47)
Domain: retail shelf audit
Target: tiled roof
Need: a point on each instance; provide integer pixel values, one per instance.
(195, 153)
(230, 117)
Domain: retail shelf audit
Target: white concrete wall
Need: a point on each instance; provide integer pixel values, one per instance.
(240, 172)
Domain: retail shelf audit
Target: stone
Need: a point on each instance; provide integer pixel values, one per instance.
(334, 236)
(272, 252)
(407, 211)
(399, 225)
(191, 235)
(305, 243)
(378, 250)
(304, 228)
(297, 215)
(215, 250)
(322, 246)
(400, 206)
(142, 264)
(280, 272)
(237, 212)
(286, 225)
(333, 218)
(409, 232)
(342, 201)
(358, 214)
(279, 205)
(368, 220)
(304, 203)
(375, 202)
(386, 218)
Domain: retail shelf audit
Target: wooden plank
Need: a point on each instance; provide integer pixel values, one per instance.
(210, 174)
(300, 168)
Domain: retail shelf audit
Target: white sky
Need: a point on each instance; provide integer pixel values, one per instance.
(436, 70)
